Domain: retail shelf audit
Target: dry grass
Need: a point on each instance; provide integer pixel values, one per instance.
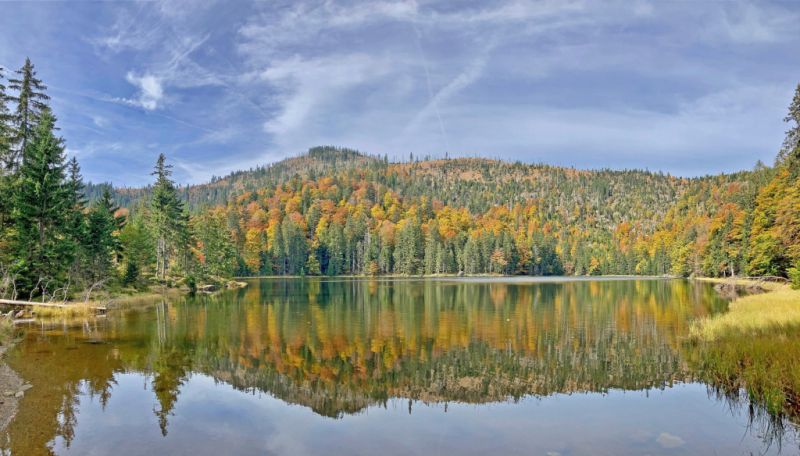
(779, 308)
(67, 311)
(6, 331)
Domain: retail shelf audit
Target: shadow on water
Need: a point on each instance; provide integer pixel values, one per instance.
(339, 347)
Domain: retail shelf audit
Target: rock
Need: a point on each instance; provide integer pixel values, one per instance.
(26, 387)
(20, 314)
(8, 393)
(461, 273)
(207, 288)
(19, 394)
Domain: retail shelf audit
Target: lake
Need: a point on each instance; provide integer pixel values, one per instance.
(391, 367)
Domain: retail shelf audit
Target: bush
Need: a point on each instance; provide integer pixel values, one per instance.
(794, 276)
(191, 282)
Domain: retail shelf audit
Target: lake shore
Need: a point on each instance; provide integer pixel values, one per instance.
(10, 382)
(777, 308)
(471, 278)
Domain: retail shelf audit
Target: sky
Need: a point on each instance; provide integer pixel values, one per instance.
(688, 88)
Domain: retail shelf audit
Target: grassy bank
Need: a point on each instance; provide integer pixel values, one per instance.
(776, 309)
(751, 351)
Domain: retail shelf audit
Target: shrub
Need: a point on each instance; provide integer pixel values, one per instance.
(794, 276)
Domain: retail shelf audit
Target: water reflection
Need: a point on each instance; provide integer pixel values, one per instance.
(340, 346)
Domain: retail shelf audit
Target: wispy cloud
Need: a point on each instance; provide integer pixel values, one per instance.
(577, 82)
(150, 91)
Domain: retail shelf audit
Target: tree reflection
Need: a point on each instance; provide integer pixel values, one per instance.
(339, 346)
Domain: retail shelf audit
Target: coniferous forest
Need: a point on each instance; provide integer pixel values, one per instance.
(336, 211)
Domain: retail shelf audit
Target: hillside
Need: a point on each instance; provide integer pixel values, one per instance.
(472, 215)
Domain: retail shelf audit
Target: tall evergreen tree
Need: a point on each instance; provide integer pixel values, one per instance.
(31, 103)
(6, 129)
(42, 198)
(102, 244)
(166, 216)
(6, 138)
(791, 144)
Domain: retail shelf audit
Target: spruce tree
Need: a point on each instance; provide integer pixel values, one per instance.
(6, 129)
(31, 103)
(102, 241)
(166, 216)
(43, 248)
(6, 137)
(76, 220)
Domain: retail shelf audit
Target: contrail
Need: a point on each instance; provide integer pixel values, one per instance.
(432, 99)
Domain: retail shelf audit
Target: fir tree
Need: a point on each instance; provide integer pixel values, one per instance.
(41, 209)
(166, 216)
(31, 103)
(6, 130)
(102, 244)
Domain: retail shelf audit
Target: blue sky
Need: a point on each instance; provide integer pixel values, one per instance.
(684, 87)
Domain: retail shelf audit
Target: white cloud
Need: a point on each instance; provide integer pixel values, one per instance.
(100, 121)
(667, 440)
(754, 23)
(150, 91)
(305, 85)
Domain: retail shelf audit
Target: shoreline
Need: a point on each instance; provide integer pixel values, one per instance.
(777, 308)
(467, 278)
(10, 381)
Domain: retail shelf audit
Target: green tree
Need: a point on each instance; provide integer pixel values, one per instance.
(102, 244)
(138, 246)
(6, 130)
(215, 244)
(43, 247)
(167, 220)
(408, 249)
(31, 103)
(76, 219)
(295, 244)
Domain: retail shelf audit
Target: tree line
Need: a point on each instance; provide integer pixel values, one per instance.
(335, 211)
(54, 244)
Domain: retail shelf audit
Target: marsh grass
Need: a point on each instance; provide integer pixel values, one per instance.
(752, 350)
(778, 309)
(74, 310)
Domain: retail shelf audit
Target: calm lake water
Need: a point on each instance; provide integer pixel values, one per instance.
(426, 367)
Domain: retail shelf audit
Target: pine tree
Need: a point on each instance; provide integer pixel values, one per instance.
(76, 220)
(6, 178)
(31, 103)
(791, 144)
(41, 209)
(102, 244)
(138, 245)
(6, 130)
(408, 252)
(215, 244)
(167, 220)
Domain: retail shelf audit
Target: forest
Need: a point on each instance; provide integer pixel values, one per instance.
(336, 211)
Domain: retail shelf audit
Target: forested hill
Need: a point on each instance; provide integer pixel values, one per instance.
(338, 211)
(474, 183)
(334, 211)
